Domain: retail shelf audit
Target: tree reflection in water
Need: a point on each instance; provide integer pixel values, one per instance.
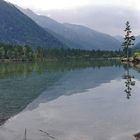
(129, 81)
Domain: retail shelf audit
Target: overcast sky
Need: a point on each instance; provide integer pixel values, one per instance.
(65, 4)
(106, 16)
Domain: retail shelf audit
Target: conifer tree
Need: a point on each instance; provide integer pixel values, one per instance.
(128, 39)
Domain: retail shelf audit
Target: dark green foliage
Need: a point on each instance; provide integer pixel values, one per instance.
(128, 40)
(16, 52)
(61, 53)
(26, 53)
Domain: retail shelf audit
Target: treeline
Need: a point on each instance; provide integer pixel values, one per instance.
(16, 52)
(25, 69)
(26, 53)
(78, 53)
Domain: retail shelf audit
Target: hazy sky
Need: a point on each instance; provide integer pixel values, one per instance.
(108, 16)
(65, 4)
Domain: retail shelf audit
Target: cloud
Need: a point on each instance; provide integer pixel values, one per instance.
(50, 4)
(107, 16)
(64, 4)
(108, 19)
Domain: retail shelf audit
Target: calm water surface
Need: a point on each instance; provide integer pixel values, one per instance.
(69, 101)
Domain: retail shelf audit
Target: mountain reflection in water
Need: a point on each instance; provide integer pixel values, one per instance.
(73, 101)
(21, 83)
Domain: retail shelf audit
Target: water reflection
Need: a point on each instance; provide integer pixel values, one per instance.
(11, 70)
(21, 83)
(129, 81)
(71, 101)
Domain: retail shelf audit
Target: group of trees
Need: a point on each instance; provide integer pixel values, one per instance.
(20, 53)
(26, 53)
(60, 53)
(15, 52)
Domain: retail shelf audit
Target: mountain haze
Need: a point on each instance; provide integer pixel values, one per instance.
(17, 28)
(119, 38)
(75, 36)
(93, 38)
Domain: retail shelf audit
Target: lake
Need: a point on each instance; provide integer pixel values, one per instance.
(86, 100)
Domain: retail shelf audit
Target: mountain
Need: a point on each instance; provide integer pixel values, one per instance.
(75, 36)
(103, 18)
(137, 47)
(17, 28)
(119, 38)
(93, 38)
(137, 39)
(137, 43)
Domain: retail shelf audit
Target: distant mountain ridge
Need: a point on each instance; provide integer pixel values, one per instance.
(137, 43)
(119, 38)
(75, 36)
(17, 28)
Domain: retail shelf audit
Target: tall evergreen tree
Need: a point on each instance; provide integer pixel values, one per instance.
(128, 39)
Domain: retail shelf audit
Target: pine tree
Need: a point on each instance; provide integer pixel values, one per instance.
(128, 39)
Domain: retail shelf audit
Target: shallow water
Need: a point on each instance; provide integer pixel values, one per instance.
(81, 103)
